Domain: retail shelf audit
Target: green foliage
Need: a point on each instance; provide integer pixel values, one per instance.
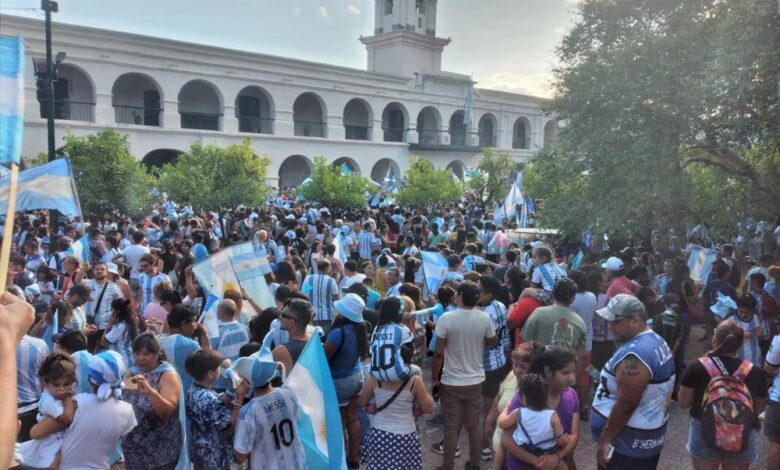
(213, 177)
(498, 169)
(330, 186)
(649, 90)
(427, 186)
(107, 177)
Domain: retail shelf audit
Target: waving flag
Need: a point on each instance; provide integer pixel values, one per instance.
(577, 261)
(467, 108)
(48, 186)
(209, 317)
(11, 98)
(700, 262)
(339, 253)
(80, 249)
(345, 168)
(319, 426)
(434, 266)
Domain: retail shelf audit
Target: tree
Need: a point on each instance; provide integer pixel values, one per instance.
(493, 183)
(107, 176)
(331, 187)
(650, 91)
(210, 177)
(427, 186)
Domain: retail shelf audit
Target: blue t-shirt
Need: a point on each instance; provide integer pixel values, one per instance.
(346, 360)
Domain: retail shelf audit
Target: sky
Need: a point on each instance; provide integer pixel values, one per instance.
(504, 44)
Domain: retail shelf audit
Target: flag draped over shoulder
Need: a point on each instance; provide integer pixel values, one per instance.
(434, 266)
(319, 426)
(48, 186)
(235, 267)
(80, 249)
(700, 262)
(11, 98)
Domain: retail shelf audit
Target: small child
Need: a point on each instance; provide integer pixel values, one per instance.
(45, 279)
(537, 428)
(545, 274)
(57, 374)
(751, 322)
(212, 417)
(668, 325)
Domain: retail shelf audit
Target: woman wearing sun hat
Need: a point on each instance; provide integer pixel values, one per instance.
(346, 347)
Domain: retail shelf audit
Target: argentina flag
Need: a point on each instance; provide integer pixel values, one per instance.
(700, 262)
(319, 426)
(11, 98)
(48, 186)
(434, 267)
(80, 249)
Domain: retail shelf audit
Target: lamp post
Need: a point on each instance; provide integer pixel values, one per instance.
(50, 7)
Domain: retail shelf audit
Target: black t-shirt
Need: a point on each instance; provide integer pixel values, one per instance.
(697, 378)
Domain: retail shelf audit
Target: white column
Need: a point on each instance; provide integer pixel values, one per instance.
(377, 134)
(104, 112)
(283, 123)
(170, 115)
(336, 129)
(229, 120)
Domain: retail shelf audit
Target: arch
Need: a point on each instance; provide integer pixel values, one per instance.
(309, 115)
(384, 168)
(255, 110)
(488, 127)
(358, 116)
(550, 132)
(457, 128)
(74, 95)
(394, 122)
(155, 159)
(521, 133)
(350, 162)
(137, 99)
(429, 125)
(293, 170)
(200, 106)
(458, 169)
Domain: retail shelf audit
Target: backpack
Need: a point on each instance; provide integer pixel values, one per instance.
(727, 407)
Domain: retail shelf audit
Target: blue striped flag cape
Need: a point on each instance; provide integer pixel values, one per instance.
(319, 425)
(11, 98)
(48, 186)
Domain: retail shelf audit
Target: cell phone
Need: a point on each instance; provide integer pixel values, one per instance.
(90, 320)
(610, 451)
(130, 383)
(594, 373)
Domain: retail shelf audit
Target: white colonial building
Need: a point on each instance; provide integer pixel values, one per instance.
(166, 95)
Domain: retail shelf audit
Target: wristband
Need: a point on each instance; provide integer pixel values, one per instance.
(237, 403)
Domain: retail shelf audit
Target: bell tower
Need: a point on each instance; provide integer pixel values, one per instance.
(404, 40)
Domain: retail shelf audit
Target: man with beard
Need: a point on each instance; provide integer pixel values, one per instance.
(98, 310)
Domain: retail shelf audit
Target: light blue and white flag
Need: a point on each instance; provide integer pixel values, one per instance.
(467, 109)
(11, 98)
(48, 186)
(209, 316)
(339, 253)
(346, 169)
(700, 262)
(319, 426)
(434, 266)
(577, 261)
(248, 266)
(80, 249)
(512, 199)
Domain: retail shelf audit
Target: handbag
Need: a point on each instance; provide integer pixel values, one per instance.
(371, 407)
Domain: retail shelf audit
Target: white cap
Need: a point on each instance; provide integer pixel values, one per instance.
(613, 264)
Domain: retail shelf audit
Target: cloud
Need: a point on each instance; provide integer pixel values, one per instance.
(323, 11)
(536, 84)
(353, 10)
(296, 11)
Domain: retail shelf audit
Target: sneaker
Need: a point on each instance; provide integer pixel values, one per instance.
(487, 454)
(437, 421)
(438, 447)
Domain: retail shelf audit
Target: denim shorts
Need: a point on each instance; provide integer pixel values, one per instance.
(699, 448)
(348, 387)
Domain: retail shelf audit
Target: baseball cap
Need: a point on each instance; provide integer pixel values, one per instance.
(351, 307)
(621, 306)
(613, 264)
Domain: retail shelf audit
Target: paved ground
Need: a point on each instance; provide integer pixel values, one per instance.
(674, 455)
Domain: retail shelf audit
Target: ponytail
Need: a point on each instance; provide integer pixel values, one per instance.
(728, 338)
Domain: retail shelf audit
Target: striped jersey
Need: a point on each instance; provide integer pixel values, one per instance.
(147, 284)
(546, 274)
(177, 347)
(749, 351)
(81, 358)
(494, 357)
(366, 242)
(30, 354)
(232, 335)
(385, 348)
(267, 429)
(470, 262)
(119, 340)
(103, 314)
(322, 290)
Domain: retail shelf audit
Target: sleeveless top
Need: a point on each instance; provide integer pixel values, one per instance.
(152, 443)
(397, 418)
(643, 435)
(295, 348)
(537, 425)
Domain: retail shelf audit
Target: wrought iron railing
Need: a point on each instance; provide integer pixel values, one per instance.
(357, 132)
(309, 129)
(202, 121)
(255, 125)
(137, 115)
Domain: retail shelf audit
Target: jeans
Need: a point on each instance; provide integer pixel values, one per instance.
(461, 407)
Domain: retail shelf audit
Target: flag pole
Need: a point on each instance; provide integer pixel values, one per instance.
(8, 235)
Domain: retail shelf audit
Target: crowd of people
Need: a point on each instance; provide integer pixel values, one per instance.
(523, 342)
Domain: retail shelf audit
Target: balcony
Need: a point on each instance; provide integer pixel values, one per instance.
(137, 115)
(71, 110)
(309, 129)
(393, 134)
(433, 139)
(255, 125)
(357, 132)
(202, 121)
(487, 140)
(521, 143)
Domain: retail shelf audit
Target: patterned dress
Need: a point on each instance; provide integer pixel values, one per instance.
(211, 448)
(152, 443)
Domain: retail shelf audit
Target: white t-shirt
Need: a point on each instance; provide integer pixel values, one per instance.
(585, 306)
(348, 281)
(132, 255)
(465, 332)
(95, 432)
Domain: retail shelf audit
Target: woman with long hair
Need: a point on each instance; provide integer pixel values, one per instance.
(722, 360)
(122, 330)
